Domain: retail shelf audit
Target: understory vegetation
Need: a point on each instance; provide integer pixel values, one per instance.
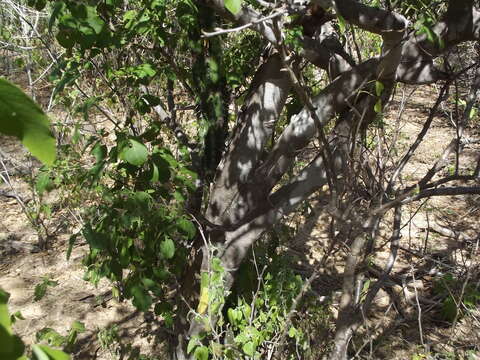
(240, 179)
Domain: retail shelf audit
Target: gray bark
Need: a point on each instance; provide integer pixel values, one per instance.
(231, 196)
(242, 203)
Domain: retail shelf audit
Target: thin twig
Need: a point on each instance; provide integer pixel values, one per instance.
(219, 31)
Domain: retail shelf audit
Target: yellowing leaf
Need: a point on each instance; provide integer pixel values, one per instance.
(203, 303)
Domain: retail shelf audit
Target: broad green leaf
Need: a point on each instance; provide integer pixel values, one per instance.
(65, 39)
(22, 118)
(41, 289)
(379, 87)
(153, 173)
(134, 153)
(55, 13)
(51, 336)
(159, 169)
(232, 316)
(42, 352)
(473, 112)
(241, 338)
(430, 34)
(141, 299)
(17, 315)
(342, 24)
(162, 307)
(4, 317)
(234, 6)
(178, 196)
(191, 344)
(201, 353)
(71, 242)
(12, 347)
(217, 265)
(167, 248)
(149, 283)
(96, 240)
(94, 21)
(187, 227)
(78, 326)
(247, 310)
(43, 182)
(6, 339)
(449, 309)
(441, 42)
(378, 106)
(249, 348)
(144, 71)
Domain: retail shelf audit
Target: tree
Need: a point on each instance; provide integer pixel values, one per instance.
(236, 175)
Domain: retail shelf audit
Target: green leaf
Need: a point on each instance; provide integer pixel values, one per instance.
(71, 242)
(473, 112)
(11, 347)
(51, 336)
(232, 316)
(144, 71)
(201, 353)
(42, 352)
(342, 24)
(41, 289)
(78, 326)
(56, 11)
(159, 169)
(378, 106)
(149, 283)
(22, 118)
(379, 87)
(141, 299)
(234, 6)
(241, 338)
(441, 42)
(430, 34)
(449, 309)
(249, 348)
(187, 227)
(4, 317)
(167, 248)
(96, 240)
(17, 315)
(65, 39)
(134, 153)
(217, 265)
(191, 344)
(43, 182)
